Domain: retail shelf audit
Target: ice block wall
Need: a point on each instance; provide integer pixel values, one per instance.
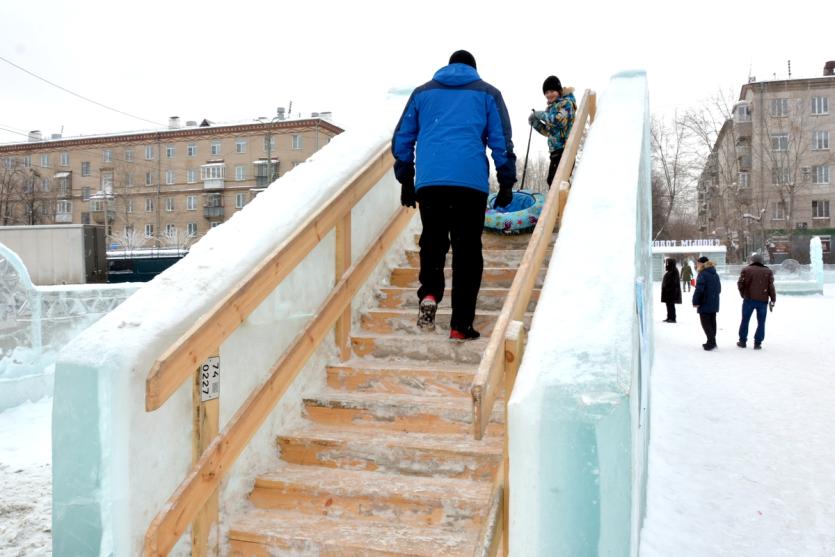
(114, 464)
(579, 413)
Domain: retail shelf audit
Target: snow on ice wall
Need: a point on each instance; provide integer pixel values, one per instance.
(578, 416)
(115, 465)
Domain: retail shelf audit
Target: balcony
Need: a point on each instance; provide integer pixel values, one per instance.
(213, 213)
(213, 175)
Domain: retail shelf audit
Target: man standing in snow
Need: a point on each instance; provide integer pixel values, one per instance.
(555, 121)
(440, 162)
(756, 286)
(706, 299)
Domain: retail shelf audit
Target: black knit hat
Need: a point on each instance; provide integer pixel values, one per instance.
(703, 259)
(462, 57)
(552, 83)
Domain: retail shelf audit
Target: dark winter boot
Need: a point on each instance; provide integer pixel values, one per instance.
(758, 346)
(741, 344)
(426, 314)
(466, 334)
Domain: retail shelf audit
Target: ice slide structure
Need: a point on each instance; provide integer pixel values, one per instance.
(268, 394)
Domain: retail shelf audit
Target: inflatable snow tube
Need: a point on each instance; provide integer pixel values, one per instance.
(519, 216)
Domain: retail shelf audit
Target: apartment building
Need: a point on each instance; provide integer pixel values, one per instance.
(154, 188)
(768, 182)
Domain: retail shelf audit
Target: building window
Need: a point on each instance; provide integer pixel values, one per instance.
(95, 205)
(820, 140)
(296, 141)
(240, 145)
(239, 200)
(44, 161)
(8, 163)
(191, 229)
(826, 243)
(779, 108)
(191, 175)
(107, 181)
(149, 204)
(169, 204)
(215, 147)
(64, 159)
(170, 231)
(149, 178)
(743, 112)
(820, 174)
(107, 155)
(169, 151)
(63, 207)
(820, 209)
(215, 224)
(240, 172)
(45, 185)
(85, 168)
(744, 179)
(191, 203)
(169, 177)
(213, 171)
(63, 186)
(820, 105)
(780, 142)
(27, 161)
(129, 155)
(129, 205)
(778, 211)
(85, 193)
(149, 230)
(149, 152)
(191, 150)
(129, 179)
(269, 144)
(780, 176)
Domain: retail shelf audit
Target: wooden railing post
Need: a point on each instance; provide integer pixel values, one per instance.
(206, 400)
(514, 347)
(342, 329)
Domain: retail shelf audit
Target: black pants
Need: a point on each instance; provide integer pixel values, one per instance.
(671, 311)
(552, 169)
(452, 215)
(709, 326)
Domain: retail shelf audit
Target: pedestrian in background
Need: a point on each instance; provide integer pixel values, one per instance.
(440, 161)
(756, 286)
(706, 299)
(671, 290)
(686, 275)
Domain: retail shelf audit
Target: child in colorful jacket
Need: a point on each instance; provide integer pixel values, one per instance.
(555, 122)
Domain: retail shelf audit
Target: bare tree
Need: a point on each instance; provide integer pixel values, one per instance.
(675, 161)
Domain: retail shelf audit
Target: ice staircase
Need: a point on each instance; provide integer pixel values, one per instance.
(386, 463)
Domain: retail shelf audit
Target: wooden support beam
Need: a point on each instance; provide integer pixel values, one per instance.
(343, 262)
(206, 401)
(177, 362)
(205, 476)
(514, 348)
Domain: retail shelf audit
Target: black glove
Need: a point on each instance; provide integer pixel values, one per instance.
(504, 197)
(532, 118)
(407, 194)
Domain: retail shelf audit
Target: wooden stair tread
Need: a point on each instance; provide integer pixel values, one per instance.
(333, 536)
(404, 365)
(342, 482)
(343, 399)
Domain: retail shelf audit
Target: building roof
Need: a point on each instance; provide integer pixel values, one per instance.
(167, 134)
(821, 82)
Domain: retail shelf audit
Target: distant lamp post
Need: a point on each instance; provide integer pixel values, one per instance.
(269, 144)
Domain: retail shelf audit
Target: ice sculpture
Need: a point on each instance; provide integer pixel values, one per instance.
(578, 416)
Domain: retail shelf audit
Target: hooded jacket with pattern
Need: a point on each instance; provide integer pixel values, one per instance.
(558, 120)
(441, 137)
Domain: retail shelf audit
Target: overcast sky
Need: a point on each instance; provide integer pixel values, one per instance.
(235, 61)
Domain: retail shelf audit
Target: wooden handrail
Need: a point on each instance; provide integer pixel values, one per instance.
(205, 476)
(178, 362)
(488, 378)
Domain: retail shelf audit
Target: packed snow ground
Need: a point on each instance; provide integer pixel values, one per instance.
(742, 454)
(742, 449)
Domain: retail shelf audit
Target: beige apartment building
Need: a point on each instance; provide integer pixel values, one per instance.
(768, 182)
(157, 188)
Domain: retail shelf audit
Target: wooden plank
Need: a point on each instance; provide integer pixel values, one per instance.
(208, 332)
(485, 384)
(514, 349)
(343, 262)
(205, 429)
(205, 476)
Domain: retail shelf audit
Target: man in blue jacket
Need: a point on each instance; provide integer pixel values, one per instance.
(440, 162)
(706, 299)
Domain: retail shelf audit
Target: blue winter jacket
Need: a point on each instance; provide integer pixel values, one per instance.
(449, 121)
(708, 287)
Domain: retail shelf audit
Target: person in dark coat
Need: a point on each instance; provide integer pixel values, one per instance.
(706, 299)
(686, 275)
(440, 161)
(756, 286)
(671, 290)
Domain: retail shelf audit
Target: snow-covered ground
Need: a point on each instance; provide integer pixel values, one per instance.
(26, 480)
(742, 456)
(742, 450)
